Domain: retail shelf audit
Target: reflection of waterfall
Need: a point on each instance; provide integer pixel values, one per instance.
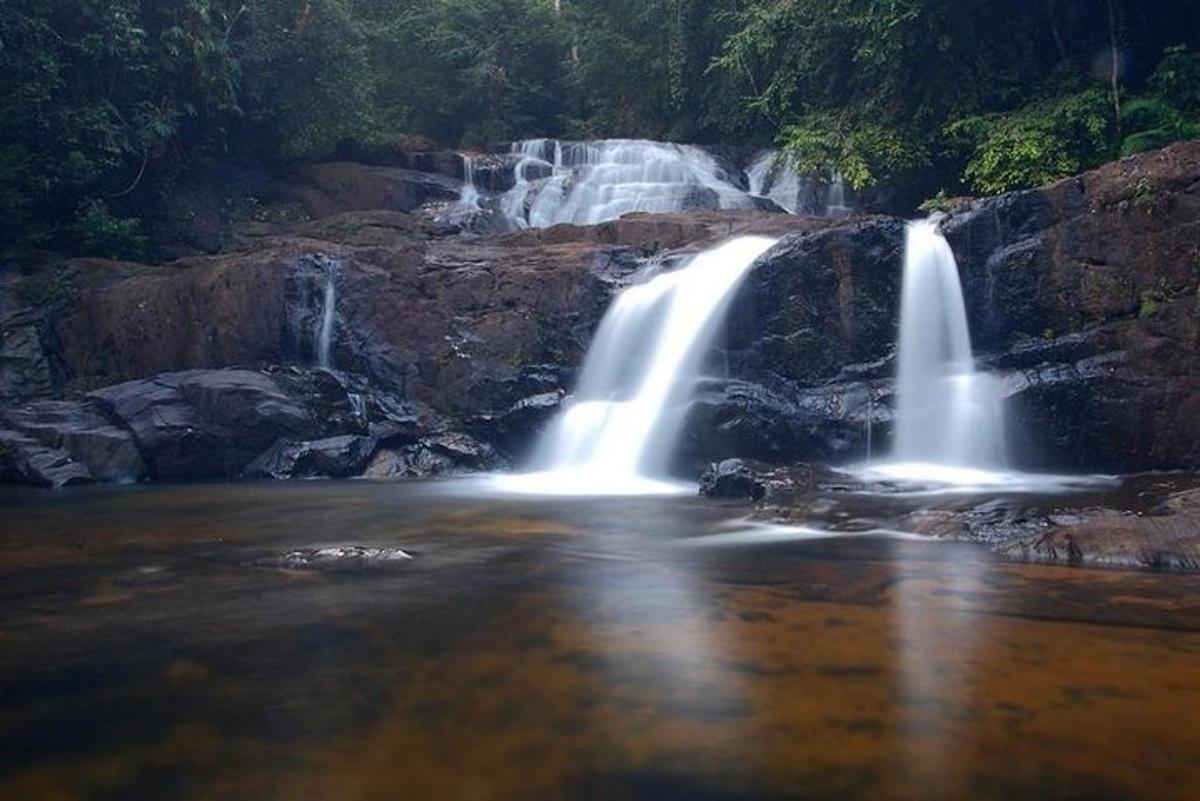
(946, 412)
(589, 182)
(328, 316)
(617, 434)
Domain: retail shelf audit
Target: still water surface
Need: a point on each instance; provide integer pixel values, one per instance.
(156, 643)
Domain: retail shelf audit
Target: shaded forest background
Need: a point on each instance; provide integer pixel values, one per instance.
(107, 103)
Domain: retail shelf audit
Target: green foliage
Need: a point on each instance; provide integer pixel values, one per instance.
(108, 102)
(862, 154)
(1037, 144)
(103, 233)
(1170, 110)
(1151, 302)
(306, 75)
(1176, 80)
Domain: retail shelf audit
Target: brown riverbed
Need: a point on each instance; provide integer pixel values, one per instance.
(184, 643)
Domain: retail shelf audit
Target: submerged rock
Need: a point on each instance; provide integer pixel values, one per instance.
(338, 558)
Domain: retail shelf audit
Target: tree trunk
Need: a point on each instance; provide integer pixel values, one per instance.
(1115, 73)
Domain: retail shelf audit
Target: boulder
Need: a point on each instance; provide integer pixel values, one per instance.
(333, 457)
(80, 429)
(24, 460)
(731, 478)
(213, 423)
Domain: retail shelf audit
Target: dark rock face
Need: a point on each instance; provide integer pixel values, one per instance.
(271, 422)
(200, 423)
(429, 457)
(329, 188)
(732, 478)
(335, 457)
(1089, 290)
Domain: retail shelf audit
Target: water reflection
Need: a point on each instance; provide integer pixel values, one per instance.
(537, 648)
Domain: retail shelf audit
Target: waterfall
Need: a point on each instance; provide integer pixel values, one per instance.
(947, 413)
(835, 198)
(770, 178)
(328, 316)
(468, 199)
(590, 182)
(950, 426)
(532, 159)
(615, 436)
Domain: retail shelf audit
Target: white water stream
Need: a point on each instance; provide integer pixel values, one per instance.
(616, 435)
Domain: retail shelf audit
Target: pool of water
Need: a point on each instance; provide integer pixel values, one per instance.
(185, 642)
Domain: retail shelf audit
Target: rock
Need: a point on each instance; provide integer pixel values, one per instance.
(212, 423)
(828, 422)
(731, 478)
(1154, 523)
(24, 460)
(1082, 296)
(440, 455)
(336, 187)
(338, 558)
(26, 370)
(514, 431)
(80, 429)
(334, 457)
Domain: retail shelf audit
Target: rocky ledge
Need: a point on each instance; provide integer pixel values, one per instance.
(267, 422)
(1084, 296)
(1149, 521)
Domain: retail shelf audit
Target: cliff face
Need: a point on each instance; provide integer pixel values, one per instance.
(1083, 295)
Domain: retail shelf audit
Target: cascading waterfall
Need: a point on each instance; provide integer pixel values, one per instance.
(615, 436)
(776, 181)
(328, 316)
(586, 183)
(531, 164)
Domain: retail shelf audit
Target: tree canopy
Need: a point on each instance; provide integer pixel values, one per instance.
(108, 102)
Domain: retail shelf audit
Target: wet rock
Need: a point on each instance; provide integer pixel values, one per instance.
(335, 187)
(80, 429)
(339, 558)
(514, 430)
(440, 455)
(24, 460)
(732, 478)
(1157, 527)
(832, 421)
(334, 457)
(212, 423)
(26, 370)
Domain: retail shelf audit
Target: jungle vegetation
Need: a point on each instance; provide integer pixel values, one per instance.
(107, 103)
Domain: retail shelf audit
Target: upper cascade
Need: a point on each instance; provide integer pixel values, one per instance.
(586, 183)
